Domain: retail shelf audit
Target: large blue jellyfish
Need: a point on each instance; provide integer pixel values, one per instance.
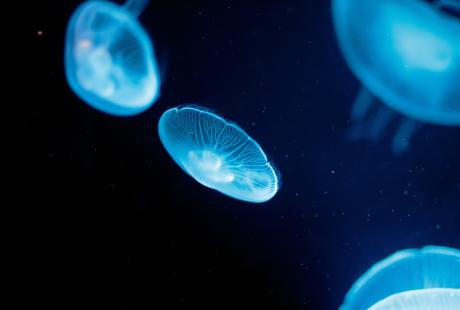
(406, 270)
(407, 54)
(426, 299)
(218, 154)
(109, 58)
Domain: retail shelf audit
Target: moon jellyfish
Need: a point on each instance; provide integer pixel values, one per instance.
(406, 270)
(406, 53)
(427, 299)
(218, 154)
(109, 58)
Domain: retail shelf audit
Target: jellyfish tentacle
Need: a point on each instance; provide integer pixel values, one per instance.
(368, 127)
(136, 7)
(372, 129)
(401, 140)
(361, 107)
(381, 120)
(362, 104)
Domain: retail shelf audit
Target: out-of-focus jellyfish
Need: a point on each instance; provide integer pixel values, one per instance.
(406, 53)
(426, 299)
(406, 270)
(109, 58)
(218, 154)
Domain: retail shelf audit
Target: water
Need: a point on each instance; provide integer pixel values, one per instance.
(116, 219)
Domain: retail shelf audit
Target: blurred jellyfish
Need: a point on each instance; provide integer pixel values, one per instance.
(406, 270)
(109, 58)
(406, 53)
(218, 154)
(426, 299)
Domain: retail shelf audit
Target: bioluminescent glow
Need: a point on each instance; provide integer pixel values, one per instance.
(426, 299)
(218, 154)
(407, 54)
(406, 270)
(109, 58)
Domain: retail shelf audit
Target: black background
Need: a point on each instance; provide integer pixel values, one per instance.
(114, 223)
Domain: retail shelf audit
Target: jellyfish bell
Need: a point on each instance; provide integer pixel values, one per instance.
(109, 58)
(218, 154)
(425, 299)
(406, 270)
(406, 53)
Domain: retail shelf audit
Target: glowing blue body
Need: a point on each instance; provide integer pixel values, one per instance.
(109, 58)
(406, 52)
(426, 299)
(218, 154)
(406, 270)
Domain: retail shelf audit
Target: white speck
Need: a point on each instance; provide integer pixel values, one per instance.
(84, 44)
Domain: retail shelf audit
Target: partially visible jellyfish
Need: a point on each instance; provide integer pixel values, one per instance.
(406, 270)
(426, 299)
(109, 58)
(218, 154)
(406, 53)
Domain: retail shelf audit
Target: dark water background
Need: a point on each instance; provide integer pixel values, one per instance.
(120, 226)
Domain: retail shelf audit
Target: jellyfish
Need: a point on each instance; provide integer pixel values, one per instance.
(109, 58)
(426, 299)
(406, 54)
(218, 154)
(406, 270)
